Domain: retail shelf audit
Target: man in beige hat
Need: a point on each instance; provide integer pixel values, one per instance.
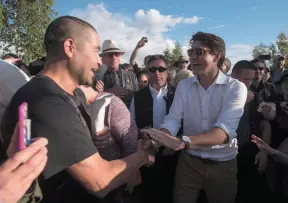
(181, 63)
(117, 81)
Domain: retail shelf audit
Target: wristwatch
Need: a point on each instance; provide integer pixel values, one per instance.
(187, 142)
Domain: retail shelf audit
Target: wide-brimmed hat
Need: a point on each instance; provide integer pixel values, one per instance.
(181, 59)
(110, 46)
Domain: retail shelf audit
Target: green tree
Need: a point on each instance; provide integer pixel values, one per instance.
(261, 49)
(282, 43)
(24, 27)
(174, 54)
(274, 49)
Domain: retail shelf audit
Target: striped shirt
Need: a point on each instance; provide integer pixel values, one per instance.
(123, 129)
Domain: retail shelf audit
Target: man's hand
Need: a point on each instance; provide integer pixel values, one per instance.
(284, 106)
(263, 146)
(268, 110)
(250, 96)
(134, 180)
(118, 91)
(102, 138)
(99, 87)
(261, 159)
(19, 171)
(163, 138)
(147, 149)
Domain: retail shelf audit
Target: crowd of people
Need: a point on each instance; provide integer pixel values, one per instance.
(88, 112)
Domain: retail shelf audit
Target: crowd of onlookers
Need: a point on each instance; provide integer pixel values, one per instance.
(88, 112)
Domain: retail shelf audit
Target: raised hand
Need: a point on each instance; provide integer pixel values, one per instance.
(262, 145)
(268, 110)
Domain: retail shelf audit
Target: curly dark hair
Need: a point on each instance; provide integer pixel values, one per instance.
(213, 42)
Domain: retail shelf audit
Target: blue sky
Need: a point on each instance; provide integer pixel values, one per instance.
(246, 22)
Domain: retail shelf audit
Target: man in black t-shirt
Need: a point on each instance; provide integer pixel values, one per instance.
(59, 114)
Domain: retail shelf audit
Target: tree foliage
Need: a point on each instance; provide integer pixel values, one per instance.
(174, 54)
(24, 26)
(274, 49)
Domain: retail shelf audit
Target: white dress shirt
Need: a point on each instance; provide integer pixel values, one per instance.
(221, 105)
(159, 106)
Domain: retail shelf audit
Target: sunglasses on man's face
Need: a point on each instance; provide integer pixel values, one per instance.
(197, 51)
(159, 69)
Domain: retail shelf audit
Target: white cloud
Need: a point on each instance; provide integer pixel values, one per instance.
(237, 52)
(193, 20)
(127, 31)
(216, 27)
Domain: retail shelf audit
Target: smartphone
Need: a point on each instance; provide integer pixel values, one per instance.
(24, 125)
(144, 39)
(264, 57)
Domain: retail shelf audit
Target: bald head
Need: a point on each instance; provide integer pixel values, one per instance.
(63, 28)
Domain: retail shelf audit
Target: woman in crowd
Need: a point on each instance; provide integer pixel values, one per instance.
(143, 79)
(110, 113)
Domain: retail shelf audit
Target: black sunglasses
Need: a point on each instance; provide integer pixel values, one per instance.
(198, 51)
(160, 69)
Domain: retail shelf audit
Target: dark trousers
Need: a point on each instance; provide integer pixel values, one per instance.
(252, 187)
(217, 179)
(158, 180)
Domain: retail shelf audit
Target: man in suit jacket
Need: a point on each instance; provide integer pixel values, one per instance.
(149, 107)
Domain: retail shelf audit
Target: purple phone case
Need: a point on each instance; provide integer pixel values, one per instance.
(21, 125)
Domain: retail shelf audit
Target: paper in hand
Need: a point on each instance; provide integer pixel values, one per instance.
(162, 138)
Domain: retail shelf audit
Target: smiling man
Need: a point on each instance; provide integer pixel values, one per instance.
(211, 106)
(75, 171)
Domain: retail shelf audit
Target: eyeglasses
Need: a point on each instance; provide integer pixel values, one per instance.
(154, 69)
(143, 81)
(198, 51)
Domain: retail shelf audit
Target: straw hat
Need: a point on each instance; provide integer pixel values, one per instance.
(110, 46)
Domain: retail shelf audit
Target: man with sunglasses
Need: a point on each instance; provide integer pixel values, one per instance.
(149, 107)
(259, 85)
(211, 106)
(116, 80)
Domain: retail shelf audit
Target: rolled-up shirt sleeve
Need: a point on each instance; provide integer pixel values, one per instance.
(172, 121)
(232, 109)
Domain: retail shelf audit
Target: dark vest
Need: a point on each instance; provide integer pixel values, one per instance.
(144, 106)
